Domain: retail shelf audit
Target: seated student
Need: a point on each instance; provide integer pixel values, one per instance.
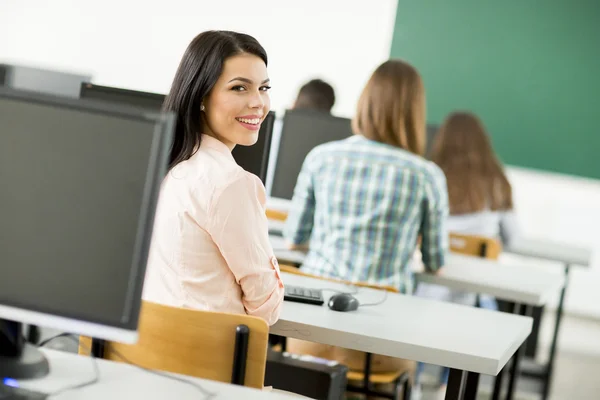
(480, 197)
(314, 95)
(360, 204)
(210, 248)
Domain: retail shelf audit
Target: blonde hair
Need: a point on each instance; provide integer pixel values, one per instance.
(475, 177)
(391, 108)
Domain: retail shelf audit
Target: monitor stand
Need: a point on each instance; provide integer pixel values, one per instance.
(18, 359)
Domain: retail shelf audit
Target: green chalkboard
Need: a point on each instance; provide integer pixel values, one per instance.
(529, 68)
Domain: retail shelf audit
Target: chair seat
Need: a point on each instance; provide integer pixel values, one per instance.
(381, 377)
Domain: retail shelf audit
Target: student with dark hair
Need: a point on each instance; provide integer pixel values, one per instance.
(210, 248)
(315, 95)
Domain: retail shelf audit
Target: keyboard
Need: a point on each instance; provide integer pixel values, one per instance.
(304, 295)
(275, 232)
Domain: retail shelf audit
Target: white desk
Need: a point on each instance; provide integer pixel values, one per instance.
(122, 381)
(408, 327)
(509, 282)
(552, 251)
(282, 252)
(506, 281)
(276, 226)
(568, 255)
(276, 203)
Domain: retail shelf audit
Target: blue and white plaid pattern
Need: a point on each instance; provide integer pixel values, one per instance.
(361, 205)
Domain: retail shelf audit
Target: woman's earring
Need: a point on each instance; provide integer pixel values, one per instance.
(201, 107)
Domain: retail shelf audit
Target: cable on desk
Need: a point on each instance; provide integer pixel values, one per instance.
(81, 385)
(385, 295)
(207, 395)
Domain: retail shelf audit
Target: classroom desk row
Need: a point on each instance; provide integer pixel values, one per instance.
(567, 254)
(470, 341)
(423, 330)
(523, 286)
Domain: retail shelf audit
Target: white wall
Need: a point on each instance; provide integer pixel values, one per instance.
(138, 44)
(566, 209)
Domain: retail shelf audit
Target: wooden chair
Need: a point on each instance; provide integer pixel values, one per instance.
(203, 344)
(473, 245)
(368, 378)
(276, 215)
(478, 246)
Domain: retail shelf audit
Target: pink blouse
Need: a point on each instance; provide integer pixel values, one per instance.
(210, 246)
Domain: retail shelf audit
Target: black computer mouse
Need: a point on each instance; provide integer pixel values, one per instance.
(343, 302)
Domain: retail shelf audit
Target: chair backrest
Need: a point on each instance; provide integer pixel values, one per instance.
(294, 270)
(194, 343)
(473, 245)
(276, 215)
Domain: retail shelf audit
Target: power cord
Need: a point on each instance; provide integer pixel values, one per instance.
(385, 295)
(207, 395)
(90, 382)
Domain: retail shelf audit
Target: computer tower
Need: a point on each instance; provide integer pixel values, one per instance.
(305, 375)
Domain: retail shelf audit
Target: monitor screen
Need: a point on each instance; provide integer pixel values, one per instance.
(302, 131)
(79, 186)
(253, 159)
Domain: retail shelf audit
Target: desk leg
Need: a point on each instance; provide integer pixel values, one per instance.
(498, 383)
(554, 344)
(456, 384)
(515, 370)
(472, 386)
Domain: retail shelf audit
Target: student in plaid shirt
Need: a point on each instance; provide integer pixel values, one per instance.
(361, 204)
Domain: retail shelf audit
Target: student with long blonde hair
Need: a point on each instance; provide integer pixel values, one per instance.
(360, 204)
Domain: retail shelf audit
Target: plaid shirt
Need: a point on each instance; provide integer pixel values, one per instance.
(361, 205)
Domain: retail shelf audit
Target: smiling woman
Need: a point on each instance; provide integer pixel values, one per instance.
(221, 77)
(210, 247)
(239, 101)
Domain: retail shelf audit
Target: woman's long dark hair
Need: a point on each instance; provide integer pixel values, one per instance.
(198, 71)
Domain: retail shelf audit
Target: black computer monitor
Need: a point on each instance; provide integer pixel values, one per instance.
(21, 77)
(80, 182)
(134, 98)
(302, 131)
(253, 159)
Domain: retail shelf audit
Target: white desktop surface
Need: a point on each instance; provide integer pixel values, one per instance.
(511, 282)
(553, 251)
(122, 381)
(528, 247)
(507, 281)
(456, 336)
(282, 252)
(278, 204)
